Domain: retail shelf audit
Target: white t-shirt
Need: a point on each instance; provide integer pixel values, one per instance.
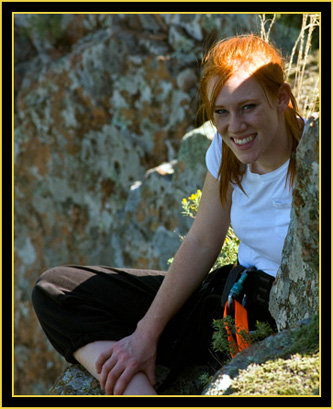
(261, 218)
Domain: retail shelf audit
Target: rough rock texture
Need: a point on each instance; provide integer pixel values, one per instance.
(262, 369)
(296, 348)
(149, 212)
(101, 101)
(75, 380)
(295, 292)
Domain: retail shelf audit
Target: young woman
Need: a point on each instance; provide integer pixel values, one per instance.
(119, 322)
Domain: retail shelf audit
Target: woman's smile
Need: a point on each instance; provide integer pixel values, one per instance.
(251, 123)
(245, 141)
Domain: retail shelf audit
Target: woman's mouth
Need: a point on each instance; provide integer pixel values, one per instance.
(244, 141)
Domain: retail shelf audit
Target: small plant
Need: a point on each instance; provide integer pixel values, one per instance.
(190, 206)
(229, 250)
(263, 21)
(204, 379)
(262, 331)
(220, 343)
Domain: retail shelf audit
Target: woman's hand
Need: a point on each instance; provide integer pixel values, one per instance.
(126, 358)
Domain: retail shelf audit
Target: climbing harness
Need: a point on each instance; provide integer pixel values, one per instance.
(239, 340)
(246, 290)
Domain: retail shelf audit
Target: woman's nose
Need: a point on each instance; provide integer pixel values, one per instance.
(236, 123)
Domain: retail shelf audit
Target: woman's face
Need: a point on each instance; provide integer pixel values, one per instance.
(252, 124)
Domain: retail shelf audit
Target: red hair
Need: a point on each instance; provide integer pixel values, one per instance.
(265, 64)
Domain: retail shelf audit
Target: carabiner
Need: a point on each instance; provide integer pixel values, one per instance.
(238, 286)
(230, 301)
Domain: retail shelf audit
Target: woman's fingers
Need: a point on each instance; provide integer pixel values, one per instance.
(103, 357)
(120, 363)
(112, 371)
(110, 366)
(116, 385)
(112, 379)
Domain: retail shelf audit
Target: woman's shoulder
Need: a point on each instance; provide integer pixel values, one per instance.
(214, 155)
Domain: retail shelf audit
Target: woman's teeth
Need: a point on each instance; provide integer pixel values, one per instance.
(243, 141)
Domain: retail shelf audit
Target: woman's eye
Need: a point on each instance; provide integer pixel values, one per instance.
(220, 111)
(248, 106)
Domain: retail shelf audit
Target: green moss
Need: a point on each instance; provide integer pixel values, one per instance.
(298, 375)
(305, 339)
(294, 372)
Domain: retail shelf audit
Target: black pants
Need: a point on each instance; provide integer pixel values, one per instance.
(77, 305)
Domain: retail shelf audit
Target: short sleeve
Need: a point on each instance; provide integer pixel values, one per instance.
(214, 155)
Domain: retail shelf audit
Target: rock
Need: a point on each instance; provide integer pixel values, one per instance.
(187, 382)
(187, 79)
(76, 380)
(265, 367)
(295, 292)
(149, 213)
(294, 351)
(101, 99)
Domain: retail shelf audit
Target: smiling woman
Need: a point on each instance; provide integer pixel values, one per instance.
(244, 93)
(119, 322)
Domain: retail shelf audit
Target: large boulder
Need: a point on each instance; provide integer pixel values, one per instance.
(295, 292)
(286, 363)
(76, 380)
(149, 213)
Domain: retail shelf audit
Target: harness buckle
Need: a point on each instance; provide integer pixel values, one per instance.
(230, 301)
(238, 286)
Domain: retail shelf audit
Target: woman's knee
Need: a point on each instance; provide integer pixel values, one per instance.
(53, 275)
(48, 284)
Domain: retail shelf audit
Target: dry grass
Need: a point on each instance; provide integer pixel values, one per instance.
(303, 66)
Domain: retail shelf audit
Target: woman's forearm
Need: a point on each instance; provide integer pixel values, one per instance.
(193, 260)
(190, 266)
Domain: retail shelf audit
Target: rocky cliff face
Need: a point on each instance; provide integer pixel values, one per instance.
(295, 292)
(101, 106)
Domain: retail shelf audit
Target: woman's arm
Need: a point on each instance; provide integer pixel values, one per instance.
(193, 260)
(191, 264)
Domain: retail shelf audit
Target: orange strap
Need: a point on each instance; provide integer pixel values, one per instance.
(241, 323)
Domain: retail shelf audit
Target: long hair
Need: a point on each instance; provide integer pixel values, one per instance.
(265, 64)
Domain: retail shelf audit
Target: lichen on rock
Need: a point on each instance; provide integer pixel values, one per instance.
(101, 101)
(295, 292)
(76, 380)
(298, 375)
(265, 367)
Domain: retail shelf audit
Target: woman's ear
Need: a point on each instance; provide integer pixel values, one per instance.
(283, 97)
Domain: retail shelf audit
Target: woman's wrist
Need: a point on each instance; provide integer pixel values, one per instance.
(146, 329)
